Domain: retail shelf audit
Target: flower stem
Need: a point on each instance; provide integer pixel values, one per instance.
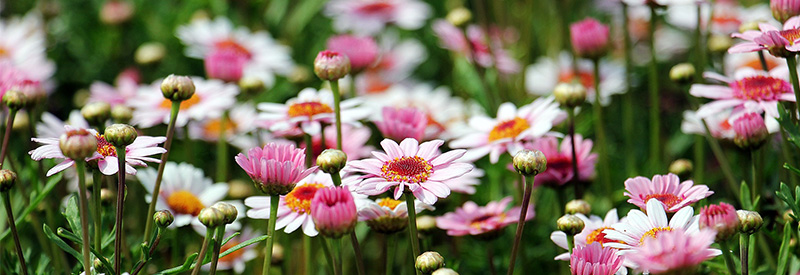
(726, 252)
(203, 249)
(328, 255)
(159, 233)
(763, 60)
(17, 246)
(700, 62)
(570, 243)
(98, 216)
(655, 102)
(148, 228)
(628, 103)
(80, 165)
(390, 251)
(744, 243)
(337, 98)
(526, 199)
(337, 249)
(755, 184)
(309, 149)
(307, 254)
(120, 204)
(602, 145)
(222, 149)
(791, 61)
(575, 175)
(9, 127)
(274, 201)
(412, 229)
(357, 252)
(217, 246)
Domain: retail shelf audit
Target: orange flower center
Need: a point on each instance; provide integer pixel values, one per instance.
(598, 236)
(653, 233)
(387, 202)
(184, 202)
(508, 129)
(299, 200)
(760, 88)
(232, 46)
(234, 255)
(213, 127)
(309, 109)
(585, 78)
(791, 35)
(480, 221)
(668, 199)
(3, 52)
(407, 169)
(186, 104)
(755, 64)
(104, 147)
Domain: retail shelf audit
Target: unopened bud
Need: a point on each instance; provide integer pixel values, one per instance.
(7, 179)
(530, 162)
(750, 221)
(299, 74)
(782, 10)
(107, 197)
(277, 254)
(21, 121)
(251, 84)
(426, 223)
(682, 73)
(121, 114)
(681, 167)
(459, 16)
(751, 131)
(331, 161)
(240, 189)
(444, 271)
(33, 91)
(149, 53)
(228, 211)
(120, 135)
(78, 144)
(570, 224)
(570, 95)
(330, 65)
(429, 262)
(163, 218)
(115, 12)
(96, 113)
(719, 44)
(578, 206)
(15, 99)
(177, 88)
(211, 217)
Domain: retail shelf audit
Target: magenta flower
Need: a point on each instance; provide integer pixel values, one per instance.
(673, 252)
(751, 130)
(668, 189)
(780, 43)
(402, 123)
(127, 84)
(592, 232)
(370, 17)
(334, 211)
(721, 218)
(275, 169)
(559, 160)
(471, 219)
(589, 38)
(594, 259)
(750, 91)
(417, 168)
(362, 51)
(475, 45)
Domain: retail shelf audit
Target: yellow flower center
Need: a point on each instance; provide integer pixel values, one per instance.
(387, 202)
(3, 52)
(184, 202)
(669, 200)
(104, 147)
(508, 129)
(186, 104)
(299, 200)
(309, 109)
(407, 169)
(653, 233)
(213, 127)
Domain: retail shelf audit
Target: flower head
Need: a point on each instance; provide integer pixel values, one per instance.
(639, 227)
(23, 52)
(485, 221)
(673, 194)
(309, 110)
(402, 123)
(751, 131)
(127, 83)
(275, 169)
(369, 17)
(386, 215)
(334, 211)
(782, 10)
(210, 99)
(589, 38)
(594, 259)
(331, 65)
(559, 160)
(542, 77)
(674, 252)
(361, 51)
(592, 232)
(750, 91)
(779, 42)
(721, 218)
(475, 45)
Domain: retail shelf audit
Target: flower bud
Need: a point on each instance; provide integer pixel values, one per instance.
(21, 122)
(78, 144)
(719, 44)
(682, 73)
(459, 16)
(98, 265)
(751, 131)
(115, 12)
(334, 212)
(570, 224)
(589, 38)
(177, 88)
(749, 26)
(240, 189)
(782, 10)
(96, 113)
(251, 85)
(330, 65)
(721, 218)
(750, 221)
(121, 114)
(425, 223)
(429, 262)
(277, 254)
(211, 217)
(570, 95)
(681, 167)
(120, 135)
(299, 74)
(444, 271)
(228, 210)
(578, 206)
(7, 179)
(33, 91)
(149, 53)
(15, 99)
(530, 163)
(331, 161)
(107, 197)
(163, 218)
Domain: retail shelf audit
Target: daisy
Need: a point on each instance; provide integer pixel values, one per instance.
(734, 62)
(369, 17)
(718, 124)
(779, 42)
(232, 53)
(474, 46)
(23, 48)
(667, 189)
(53, 127)
(674, 252)
(239, 122)
(595, 259)
(543, 76)
(592, 232)
(276, 168)
(510, 129)
(401, 123)
(386, 215)
(417, 168)
(559, 160)
(136, 154)
(211, 98)
(127, 84)
(239, 258)
(638, 226)
(484, 221)
(309, 110)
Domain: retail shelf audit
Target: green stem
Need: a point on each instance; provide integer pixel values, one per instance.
(755, 184)
(148, 228)
(98, 216)
(17, 246)
(575, 174)
(120, 204)
(726, 252)
(763, 60)
(309, 149)
(602, 145)
(7, 135)
(307, 254)
(721, 158)
(390, 251)
(744, 243)
(328, 255)
(700, 64)
(222, 150)
(791, 61)
(274, 201)
(217, 246)
(526, 199)
(337, 250)
(628, 101)
(412, 229)
(655, 102)
(357, 251)
(337, 98)
(570, 243)
(80, 165)
(203, 250)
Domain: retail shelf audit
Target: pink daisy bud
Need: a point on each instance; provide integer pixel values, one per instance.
(401, 123)
(751, 131)
(362, 51)
(674, 252)
(589, 38)
(275, 169)
(782, 10)
(594, 259)
(334, 211)
(331, 65)
(226, 62)
(77, 144)
(721, 218)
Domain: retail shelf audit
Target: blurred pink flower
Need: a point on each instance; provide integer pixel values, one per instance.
(397, 62)
(401, 123)
(673, 194)
(592, 232)
(23, 51)
(674, 252)
(594, 259)
(589, 38)
(275, 169)
(295, 208)
(780, 43)
(240, 121)
(638, 226)
(334, 211)
(721, 218)
(471, 219)
(369, 17)
(559, 160)
(751, 130)
(309, 110)
(475, 46)
(211, 98)
(717, 124)
(127, 83)
(115, 12)
(362, 51)
(543, 76)
(354, 142)
(412, 167)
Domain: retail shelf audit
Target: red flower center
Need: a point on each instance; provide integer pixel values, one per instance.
(232, 46)
(104, 147)
(760, 88)
(309, 109)
(597, 235)
(407, 169)
(791, 35)
(509, 129)
(299, 200)
(382, 8)
(668, 199)
(585, 78)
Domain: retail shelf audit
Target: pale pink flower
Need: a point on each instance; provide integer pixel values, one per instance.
(369, 17)
(239, 122)
(637, 227)
(594, 259)
(543, 76)
(417, 168)
(592, 232)
(559, 160)
(471, 219)
(334, 211)
(53, 127)
(211, 98)
(779, 42)
(674, 252)
(466, 183)
(512, 127)
(397, 62)
(127, 84)
(475, 46)
(362, 51)
(750, 129)
(275, 168)
(721, 218)
(589, 38)
(23, 50)
(309, 110)
(750, 91)
(668, 189)
(402, 123)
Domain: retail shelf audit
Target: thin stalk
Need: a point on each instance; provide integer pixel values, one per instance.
(352, 92)
(159, 233)
(309, 150)
(307, 254)
(575, 175)
(328, 255)
(217, 246)
(744, 244)
(570, 243)
(390, 251)
(337, 250)
(148, 228)
(120, 204)
(722, 159)
(755, 183)
(726, 252)
(699, 159)
(412, 229)
(222, 150)
(763, 60)
(203, 250)
(80, 165)
(98, 216)
(337, 98)
(628, 102)
(273, 215)
(791, 61)
(600, 130)
(17, 246)
(701, 52)
(490, 258)
(526, 199)
(357, 251)
(9, 127)
(655, 101)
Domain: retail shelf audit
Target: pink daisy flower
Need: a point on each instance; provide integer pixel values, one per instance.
(127, 84)
(53, 127)
(397, 62)
(750, 91)
(559, 160)
(369, 17)
(594, 259)
(668, 189)
(592, 232)
(721, 218)
(474, 46)
(510, 129)
(354, 142)
(471, 219)
(543, 76)
(386, 215)
(402, 123)
(779, 42)
(24, 48)
(418, 168)
(362, 51)
(136, 154)
(211, 98)
(675, 252)
(239, 122)
(276, 168)
(334, 211)
(589, 38)
(638, 226)
(309, 110)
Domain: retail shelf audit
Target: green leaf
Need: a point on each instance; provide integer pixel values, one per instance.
(51, 183)
(63, 232)
(73, 215)
(783, 254)
(747, 202)
(785, 194)
(63, 245)
(790, 168)
(226, 240)
(189, 261)
(468, 79)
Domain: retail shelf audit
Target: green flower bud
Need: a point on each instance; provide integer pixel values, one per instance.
(426, 223)
(149, 53)
(251, 85)
(163, 218)
(459, 16)
(14, 99)
(570, 224)
(578, 206)
(330, 65)
(96, 113)
(331, 161)
(78, 144)
(211, 217)
(719, 44)
(682, 73)
(177, 88)
(749, 221)
(681, 167)
(530, 163)
(429, 262)
(7, 179)
(570, 95)
(228, 211)
(121, 114)
(444, 271)
(120, 135)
